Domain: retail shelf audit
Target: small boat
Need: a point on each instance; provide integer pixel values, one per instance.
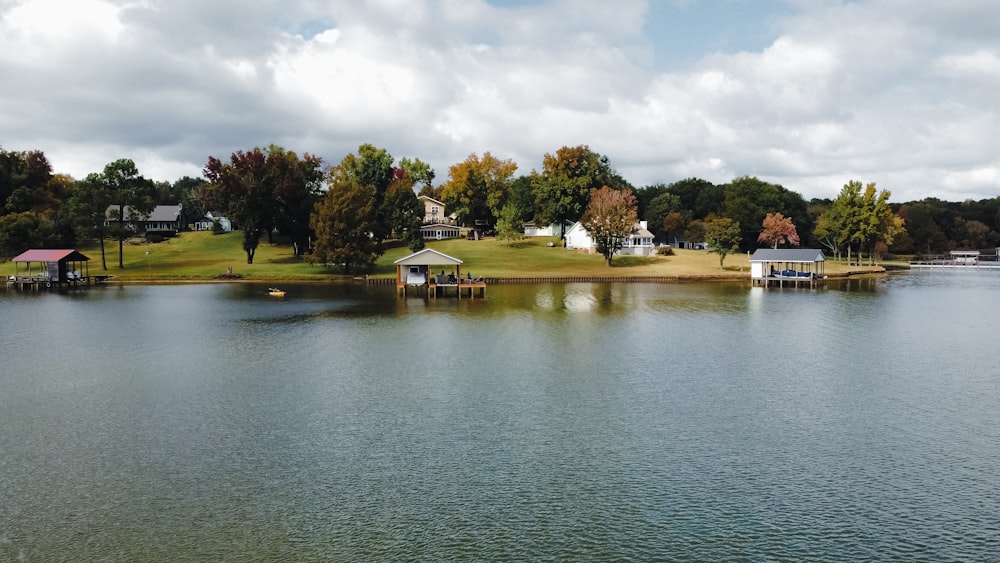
(275, 292)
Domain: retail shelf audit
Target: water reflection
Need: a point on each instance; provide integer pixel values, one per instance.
(564, 421)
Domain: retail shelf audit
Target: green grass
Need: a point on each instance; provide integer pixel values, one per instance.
(202, 256)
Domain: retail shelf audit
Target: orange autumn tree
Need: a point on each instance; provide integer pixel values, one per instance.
(778, 229)
(609, 218)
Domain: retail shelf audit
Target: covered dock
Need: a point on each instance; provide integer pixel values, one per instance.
(45, 268)
(416, 272)
(792, 267)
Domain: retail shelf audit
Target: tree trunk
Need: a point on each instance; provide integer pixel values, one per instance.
(104, 260)
(121, 259)
(250, 255)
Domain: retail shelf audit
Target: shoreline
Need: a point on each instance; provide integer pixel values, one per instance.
(506, 280)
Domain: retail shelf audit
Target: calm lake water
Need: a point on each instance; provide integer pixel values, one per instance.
(701, 422)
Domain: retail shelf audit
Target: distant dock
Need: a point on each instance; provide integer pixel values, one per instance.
(961, 260)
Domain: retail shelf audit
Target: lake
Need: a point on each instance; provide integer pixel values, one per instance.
(634, 422)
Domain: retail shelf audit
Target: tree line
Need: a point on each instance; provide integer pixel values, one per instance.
(343, 214)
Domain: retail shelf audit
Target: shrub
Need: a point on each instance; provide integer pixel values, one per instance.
(665, 250)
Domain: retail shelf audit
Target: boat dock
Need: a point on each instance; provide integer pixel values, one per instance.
(416, 272)
(39, 282)
(788, 267)
(51, 268)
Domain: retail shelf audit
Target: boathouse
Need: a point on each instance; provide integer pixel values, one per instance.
(787, 267)
(41, 267)
(417, 271)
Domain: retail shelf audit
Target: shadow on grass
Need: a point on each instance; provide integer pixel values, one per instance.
(632, 261)
(285, 260)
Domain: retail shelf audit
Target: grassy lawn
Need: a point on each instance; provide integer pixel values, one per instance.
(204, 256)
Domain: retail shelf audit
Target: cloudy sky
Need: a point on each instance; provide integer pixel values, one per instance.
(805, 93)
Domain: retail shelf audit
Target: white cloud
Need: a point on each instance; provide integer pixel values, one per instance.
(873, 90)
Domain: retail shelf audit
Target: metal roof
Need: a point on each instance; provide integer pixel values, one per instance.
(165, 213)
(788, 255)
(50, 255)
(427, 257)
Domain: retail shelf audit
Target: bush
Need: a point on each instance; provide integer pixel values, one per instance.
(665, 250)
(217, 227)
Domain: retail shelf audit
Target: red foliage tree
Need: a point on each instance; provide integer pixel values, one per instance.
(778, 229)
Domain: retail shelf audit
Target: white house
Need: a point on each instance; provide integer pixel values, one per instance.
(433, 210)
(553, 230)
(205, 223)
(639, 242)
(440, 231)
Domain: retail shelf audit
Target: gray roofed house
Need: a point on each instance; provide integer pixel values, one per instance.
(162, 218)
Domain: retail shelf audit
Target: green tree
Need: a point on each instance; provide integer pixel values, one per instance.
(88, 211)
(372, 169)
(695, 231)
(26, 183)
(478, 187)
(567, 181)
(510, 224)
(699, 197)
(924, 231)
(876, 223)
(404, 211)
(674, 224)
(748, 200)
(610, 217)
(187, 190)
(297, 187)
(264, 189)
(722, 235)
(242, 190)
(420, 172)
(132, 200)
(342, 222)
(659, 208)
(23, 230)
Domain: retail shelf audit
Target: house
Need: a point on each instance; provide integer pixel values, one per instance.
(205, 223)
(639, 242)
(163, 218)
(434, 211)
(551, 230)
(678, 242)
(438, 231)
(781, 266)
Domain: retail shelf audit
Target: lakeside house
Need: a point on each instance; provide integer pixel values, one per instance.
(438, 231)
(434, 212)
(205, 223)
(163, 218)
(638, 243)
(550, 230)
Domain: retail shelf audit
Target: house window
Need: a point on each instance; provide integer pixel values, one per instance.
(434, 210)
